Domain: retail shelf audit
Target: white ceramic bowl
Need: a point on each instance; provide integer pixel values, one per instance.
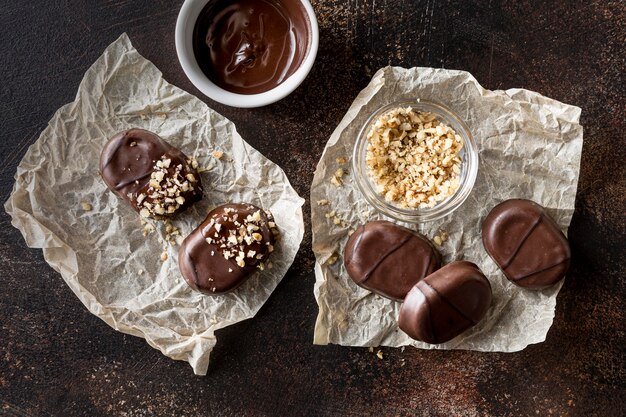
(187, 17)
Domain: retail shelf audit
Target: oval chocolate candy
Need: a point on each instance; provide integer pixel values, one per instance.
(446, 303)
(155, 178)
(232, 243)
(388, 259)
(526, 243)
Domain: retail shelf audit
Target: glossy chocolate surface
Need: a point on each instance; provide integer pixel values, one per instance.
(526, 243)
(388, 259)
(446, 303)
(251, 46)
(155, 178)
(233, 242)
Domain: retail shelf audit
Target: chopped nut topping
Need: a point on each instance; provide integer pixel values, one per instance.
(379, 354)
(333, 258)
(322, 202)
(341, 161)
(217, 154)
(239, 236)
(133, 144)
(86, 206)
(414, 158)
(164, 256)
(164, 189)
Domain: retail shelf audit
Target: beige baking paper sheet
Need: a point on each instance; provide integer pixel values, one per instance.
(530, 147)
(101, 253)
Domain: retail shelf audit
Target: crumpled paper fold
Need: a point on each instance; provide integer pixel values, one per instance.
(530, 147)
(99, 247)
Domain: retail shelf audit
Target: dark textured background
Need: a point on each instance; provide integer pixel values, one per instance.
(57, 359)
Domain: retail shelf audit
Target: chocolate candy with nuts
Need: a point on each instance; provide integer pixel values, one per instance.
(446, 303)
(233, 242)
(526, 243)
(155, 178)
(388, 259)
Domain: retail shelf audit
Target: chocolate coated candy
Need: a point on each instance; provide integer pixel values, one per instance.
(389, 259)
(157, 179)
(526, 244)
(232, 243)
(446, 303)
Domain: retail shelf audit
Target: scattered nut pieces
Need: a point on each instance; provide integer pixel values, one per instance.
(140, 272)
(164, 256)
(333, 259)
(370, 349)
(217, 154)
(337, 180)
(414, 158)
(442, 237)
(161, 116)
(322, 202)
(379, 354)
(172, 233)
(341, 161)
(86, 206)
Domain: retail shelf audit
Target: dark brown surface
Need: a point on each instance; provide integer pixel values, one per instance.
(58, 359)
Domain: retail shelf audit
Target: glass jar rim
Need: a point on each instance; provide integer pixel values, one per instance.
(469, 166)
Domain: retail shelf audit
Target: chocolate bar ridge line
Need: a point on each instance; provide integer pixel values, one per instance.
(382, 258)
(433, 332)
(356, 244)
(539, 272)
(519, 247)
(445, 300)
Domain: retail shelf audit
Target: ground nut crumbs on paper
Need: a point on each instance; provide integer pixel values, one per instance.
(413, 158)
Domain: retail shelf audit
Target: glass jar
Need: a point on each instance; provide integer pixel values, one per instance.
(469, 166)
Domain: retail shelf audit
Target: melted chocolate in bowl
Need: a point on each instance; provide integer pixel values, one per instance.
(251, 46)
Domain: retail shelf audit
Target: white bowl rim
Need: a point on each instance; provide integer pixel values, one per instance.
(184, 49)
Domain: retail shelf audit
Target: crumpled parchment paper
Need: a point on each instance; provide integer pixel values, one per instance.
(101, 253)
(530, 147)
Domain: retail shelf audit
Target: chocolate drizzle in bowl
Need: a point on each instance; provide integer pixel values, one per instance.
(251, 46)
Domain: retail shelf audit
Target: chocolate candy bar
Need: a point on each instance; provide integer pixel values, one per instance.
(232, 243)
(155, 178)
(526, 243)
(446, 303)
(388, 259)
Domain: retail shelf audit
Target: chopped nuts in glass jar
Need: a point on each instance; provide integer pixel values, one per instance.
(413, 158)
